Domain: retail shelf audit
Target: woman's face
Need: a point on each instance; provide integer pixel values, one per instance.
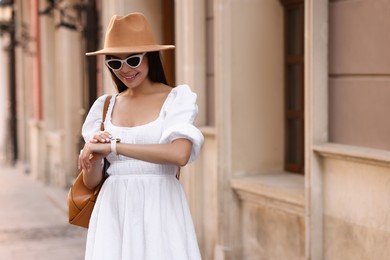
(131, 76)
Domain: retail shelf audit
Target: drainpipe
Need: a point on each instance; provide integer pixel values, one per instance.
(37, 85)
(12, 91)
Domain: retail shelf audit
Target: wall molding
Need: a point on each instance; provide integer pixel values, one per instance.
(357, 154)
(279, 190)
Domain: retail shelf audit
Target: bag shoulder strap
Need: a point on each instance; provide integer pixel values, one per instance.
(105, 108)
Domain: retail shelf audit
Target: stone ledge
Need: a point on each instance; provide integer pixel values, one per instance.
(354, 153)
(280, 190)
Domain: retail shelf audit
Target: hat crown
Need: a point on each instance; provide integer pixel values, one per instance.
(129, 34)
(129, 31)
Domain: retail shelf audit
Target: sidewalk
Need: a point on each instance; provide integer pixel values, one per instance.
(33, 221)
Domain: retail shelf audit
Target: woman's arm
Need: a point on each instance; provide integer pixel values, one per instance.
(92, 162)
(93, 175)
(177, 153)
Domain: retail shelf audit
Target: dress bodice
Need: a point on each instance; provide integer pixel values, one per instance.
(175, 121)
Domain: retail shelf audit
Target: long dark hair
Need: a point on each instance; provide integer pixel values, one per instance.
(156, 71)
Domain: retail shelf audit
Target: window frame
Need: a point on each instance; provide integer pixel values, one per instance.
(169, 38)
(294, 115)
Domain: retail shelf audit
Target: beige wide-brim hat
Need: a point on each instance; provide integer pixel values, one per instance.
(129, 34)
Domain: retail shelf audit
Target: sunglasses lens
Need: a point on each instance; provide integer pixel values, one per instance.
(114, 64)
(134, 61)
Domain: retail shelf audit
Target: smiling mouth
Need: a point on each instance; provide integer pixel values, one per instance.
(130, 77)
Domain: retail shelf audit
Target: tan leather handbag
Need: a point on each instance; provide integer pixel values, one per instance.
(81, 200)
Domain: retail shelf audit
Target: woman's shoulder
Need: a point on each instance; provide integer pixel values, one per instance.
(183, 88)
(99, 103)
(183, 93)
(180, 98)
(100, 100)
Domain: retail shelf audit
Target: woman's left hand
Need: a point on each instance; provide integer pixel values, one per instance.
(101, 137)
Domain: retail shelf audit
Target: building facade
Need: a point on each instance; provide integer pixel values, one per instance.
(293, 98)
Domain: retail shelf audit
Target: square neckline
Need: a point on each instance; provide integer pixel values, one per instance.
(112, 104)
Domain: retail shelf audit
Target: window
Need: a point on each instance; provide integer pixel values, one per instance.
(294, 85)
(169, 38)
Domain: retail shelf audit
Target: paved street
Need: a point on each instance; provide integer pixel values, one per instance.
(33, 221)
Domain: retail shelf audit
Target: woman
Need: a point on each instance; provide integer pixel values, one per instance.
(141, 211)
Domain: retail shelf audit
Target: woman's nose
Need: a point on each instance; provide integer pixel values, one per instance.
(125, 67)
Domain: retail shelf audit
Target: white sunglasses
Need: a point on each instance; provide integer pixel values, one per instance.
(133, 62)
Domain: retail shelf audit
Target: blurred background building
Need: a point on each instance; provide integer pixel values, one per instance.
(293, 97)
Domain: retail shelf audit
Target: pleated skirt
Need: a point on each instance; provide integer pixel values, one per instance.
(141, 217)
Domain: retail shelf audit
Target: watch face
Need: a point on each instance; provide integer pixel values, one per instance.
(117, 140)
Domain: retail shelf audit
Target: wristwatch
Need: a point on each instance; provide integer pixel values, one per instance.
(113, 142)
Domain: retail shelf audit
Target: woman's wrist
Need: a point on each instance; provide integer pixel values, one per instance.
(113, 144)
(97, 162)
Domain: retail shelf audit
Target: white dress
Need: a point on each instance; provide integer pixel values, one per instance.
(141, 212)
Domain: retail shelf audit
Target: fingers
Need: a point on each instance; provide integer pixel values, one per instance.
(83, 159)
(78, 162)
(92, 153)
(101, 137)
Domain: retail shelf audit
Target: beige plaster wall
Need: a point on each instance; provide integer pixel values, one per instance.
(349, 241)
(355, 204)
(359, 67)
(358, 38)
(272, 216)
(249, 77)
(48, 57)
(40, 131)
(200, 181)
(24, 77)
(256, 73)
(190, 52)
(356, 210)
(270, 234)
(69, 83)
(316, 120)
(56, 138)
(359, 111)
(153, 10)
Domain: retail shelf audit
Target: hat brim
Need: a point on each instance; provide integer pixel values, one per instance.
(134, 49)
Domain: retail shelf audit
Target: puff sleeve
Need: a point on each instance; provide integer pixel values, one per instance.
(179, 114)
(94, 118)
